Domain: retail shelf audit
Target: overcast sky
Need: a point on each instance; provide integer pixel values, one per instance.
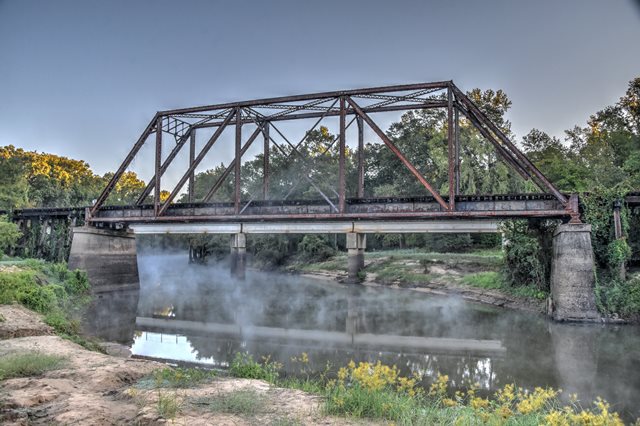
(83, 78)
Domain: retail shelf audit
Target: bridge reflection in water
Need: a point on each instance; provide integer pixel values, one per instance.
(197, 314)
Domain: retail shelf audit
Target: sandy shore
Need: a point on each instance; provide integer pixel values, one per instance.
(98, 389)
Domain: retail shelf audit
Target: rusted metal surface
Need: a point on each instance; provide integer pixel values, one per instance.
(342, 182)
(451, 150)
(183, 123)
(157, 175)
(192, 157)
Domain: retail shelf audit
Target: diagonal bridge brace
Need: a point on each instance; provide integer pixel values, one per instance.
(397, 152)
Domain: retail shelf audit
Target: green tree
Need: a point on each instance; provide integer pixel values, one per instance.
(9, 235)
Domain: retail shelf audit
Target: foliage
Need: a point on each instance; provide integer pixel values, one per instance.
(244, 366)
(50, 289)
(29, 364)
(526, 255)
(620, 297)
(598, 208)
(9, 235)
(315, 248)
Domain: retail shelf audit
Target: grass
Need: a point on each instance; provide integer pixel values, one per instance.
(29, 364)
(169, 404)
(494, 280)
(182, 377)
(242, 402)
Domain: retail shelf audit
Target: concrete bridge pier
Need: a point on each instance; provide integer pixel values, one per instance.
(238, 255)
(573, 274)
(108, 256)
(356, 244)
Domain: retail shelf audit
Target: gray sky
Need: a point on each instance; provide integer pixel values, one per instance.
(83, 78)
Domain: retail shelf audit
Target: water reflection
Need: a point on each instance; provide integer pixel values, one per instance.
(195, 313)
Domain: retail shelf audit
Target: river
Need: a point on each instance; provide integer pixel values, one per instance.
(198, 314)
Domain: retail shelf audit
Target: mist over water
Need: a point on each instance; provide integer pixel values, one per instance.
(197, 313)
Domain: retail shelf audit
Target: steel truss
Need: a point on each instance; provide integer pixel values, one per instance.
(357, 105)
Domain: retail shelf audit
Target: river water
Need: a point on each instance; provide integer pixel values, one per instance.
(198, 314)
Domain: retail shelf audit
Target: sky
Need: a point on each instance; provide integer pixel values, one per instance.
(82, 78)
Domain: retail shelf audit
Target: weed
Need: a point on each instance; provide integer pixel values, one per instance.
(29, 364)
(244, 366)
(243, 402)
(182, 377)
(169, 404)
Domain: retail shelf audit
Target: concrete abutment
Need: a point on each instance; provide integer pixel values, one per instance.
(108, 256)
(573, 274)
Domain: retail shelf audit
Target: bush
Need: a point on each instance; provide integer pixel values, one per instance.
(315, 248)
(182, 377)
(9, 235)
(619, 297)
(527, 256)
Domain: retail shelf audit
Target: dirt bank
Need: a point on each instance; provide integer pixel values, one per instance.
(94, 388)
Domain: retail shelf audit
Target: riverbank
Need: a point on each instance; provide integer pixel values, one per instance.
(64, 383)
(472, 276)
(46, 379)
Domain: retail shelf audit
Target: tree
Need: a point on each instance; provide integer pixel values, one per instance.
(9, 235)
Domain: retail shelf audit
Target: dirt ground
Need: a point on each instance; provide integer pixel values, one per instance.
(98, 389)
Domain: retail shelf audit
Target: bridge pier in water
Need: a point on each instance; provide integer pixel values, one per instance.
(238, 256)
(108, 256)
(356, 244)
(573, 274)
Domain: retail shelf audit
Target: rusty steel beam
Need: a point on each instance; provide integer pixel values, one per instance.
(156, 196)
(328, 216)
(511, 147)
(165, 165)
(238, 161)
(302, 116)
(451, 150)
(196, 162)
(342, 182)
(309, 97)
(216, 186)
(128, 159)
(506, 156)
(457, 148)
(266, 153)
(192, 156)
(360, 157)
(398, 154)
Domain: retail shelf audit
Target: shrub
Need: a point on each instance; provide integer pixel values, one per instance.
(527, 254)
(9, 235)
(315, 248)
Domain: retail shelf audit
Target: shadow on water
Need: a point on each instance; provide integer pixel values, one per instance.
(197, 313)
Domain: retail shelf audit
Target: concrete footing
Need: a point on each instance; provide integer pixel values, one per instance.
(356, 244)
(109, 258)
(572, 274)
(238, 258)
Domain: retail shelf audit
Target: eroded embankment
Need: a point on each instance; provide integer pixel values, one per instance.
(88, 387)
